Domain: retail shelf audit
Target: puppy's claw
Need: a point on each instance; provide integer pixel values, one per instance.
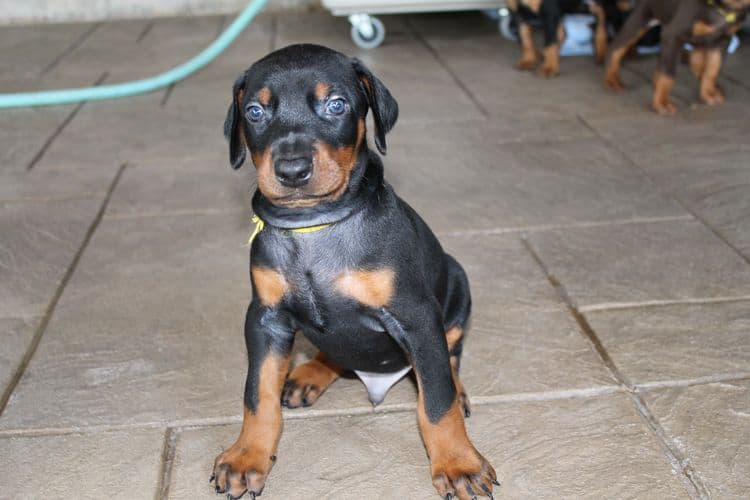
(213, 476)
(496, 482)
(449, 496)
(488, 492)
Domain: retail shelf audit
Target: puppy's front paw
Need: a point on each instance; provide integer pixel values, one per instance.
(548, 70)
(712, 96)
(239, 470)
(526, 63)
(613, 82)
(464, 477)
(665, 107)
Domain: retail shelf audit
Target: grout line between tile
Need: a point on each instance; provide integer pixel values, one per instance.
(311, 413)
(167, 461)
(680, 464)
(70, 49)
(446, 67)
(614, 306)
(61, 127)
(58, 293)
(708, 379)
(665, 191)
(572, 225)
(145, 32)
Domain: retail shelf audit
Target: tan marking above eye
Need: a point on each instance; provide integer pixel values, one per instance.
(264, 96)
(270, 285)
(371, 288)
(322, 90)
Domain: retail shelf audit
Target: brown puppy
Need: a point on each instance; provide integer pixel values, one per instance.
(706, 24)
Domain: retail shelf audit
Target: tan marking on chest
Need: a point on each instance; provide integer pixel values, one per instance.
(371, 288)
(270, 285)
(702, 28)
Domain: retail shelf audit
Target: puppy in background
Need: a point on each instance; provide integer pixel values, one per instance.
(550, 14)
(708, 25)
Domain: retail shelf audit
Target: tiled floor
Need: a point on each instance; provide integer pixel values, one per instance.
(608, 251)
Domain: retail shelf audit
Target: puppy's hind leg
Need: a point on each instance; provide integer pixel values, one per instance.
(307, 381)
(710, 92)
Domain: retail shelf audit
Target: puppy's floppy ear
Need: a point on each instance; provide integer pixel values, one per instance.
(233, 129)
(384, 106)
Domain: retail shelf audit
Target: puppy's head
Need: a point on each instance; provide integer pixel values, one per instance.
(301, 111)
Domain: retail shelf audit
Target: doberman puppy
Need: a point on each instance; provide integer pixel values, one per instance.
(338, 256)
(706, 24)
(550, 13)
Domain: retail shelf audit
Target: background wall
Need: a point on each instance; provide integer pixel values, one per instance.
(36, 11)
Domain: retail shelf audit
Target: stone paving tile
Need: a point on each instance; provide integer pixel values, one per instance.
(710, 176)
(149, 328)
(676, 342)
(23, 133)
(121, 465)
(486, 66)
(16, 335)
(57, 184)
(710, 425)
(39, 242)
(672, 260)
(135, 130)
(104, 51)
(477, 184)
(29, 51)
(580, 448)
(186, 185)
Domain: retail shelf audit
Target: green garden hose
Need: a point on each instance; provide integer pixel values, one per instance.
(125, 89)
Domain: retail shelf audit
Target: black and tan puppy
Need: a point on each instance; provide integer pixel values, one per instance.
(343, 260)
(550, 14)
(706, 24)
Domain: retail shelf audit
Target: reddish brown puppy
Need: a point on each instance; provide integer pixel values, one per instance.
(343, 260)
(706, 24)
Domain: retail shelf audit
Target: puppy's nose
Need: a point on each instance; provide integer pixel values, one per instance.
(294, 172)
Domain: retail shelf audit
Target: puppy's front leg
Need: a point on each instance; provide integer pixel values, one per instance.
(246, 464)
(458, 469)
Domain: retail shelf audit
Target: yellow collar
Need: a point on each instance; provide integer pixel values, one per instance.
(259, 225)
(729, 16)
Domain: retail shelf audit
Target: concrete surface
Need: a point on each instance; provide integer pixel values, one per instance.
(608, 251)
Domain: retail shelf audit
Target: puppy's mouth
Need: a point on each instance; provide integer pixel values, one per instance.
(300, 199)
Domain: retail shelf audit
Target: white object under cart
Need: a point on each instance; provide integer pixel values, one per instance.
(368, 31)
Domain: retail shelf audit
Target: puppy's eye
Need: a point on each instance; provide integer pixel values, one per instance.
(336, 106)
(254, 113)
